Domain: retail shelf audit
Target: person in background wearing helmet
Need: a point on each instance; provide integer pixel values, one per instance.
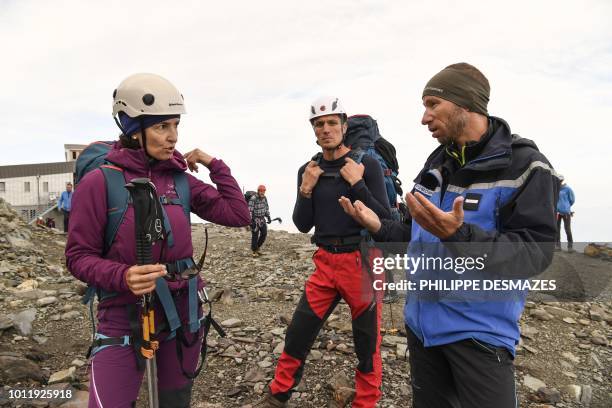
(149, 109)
(484, 192)
(339, 273)
(260, 213)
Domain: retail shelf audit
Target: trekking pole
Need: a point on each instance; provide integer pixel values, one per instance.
(148, 220)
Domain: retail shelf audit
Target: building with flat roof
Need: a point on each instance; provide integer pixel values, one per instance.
(33, 189)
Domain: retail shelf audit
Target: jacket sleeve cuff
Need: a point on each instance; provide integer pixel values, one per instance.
(214, 164)
(381, 234)
(123, 286)
(463, 234)
(358, 188)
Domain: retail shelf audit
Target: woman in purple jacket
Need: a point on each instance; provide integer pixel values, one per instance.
(149, 109)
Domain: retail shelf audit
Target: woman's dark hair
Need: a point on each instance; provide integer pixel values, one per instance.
(128, 142)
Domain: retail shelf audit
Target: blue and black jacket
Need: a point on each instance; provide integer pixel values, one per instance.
(566, 200)
(510, 191)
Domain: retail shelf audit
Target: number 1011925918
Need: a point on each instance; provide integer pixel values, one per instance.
(34, 393)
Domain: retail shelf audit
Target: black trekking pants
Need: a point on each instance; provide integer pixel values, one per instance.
(567, 223)
(465, 374)
(258, 235)
(66, 219)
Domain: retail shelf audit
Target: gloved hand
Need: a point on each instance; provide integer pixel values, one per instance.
(268, 219)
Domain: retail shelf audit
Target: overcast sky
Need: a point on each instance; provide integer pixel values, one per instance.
(249, 70)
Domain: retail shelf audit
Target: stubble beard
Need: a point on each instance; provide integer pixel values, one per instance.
(457, 121)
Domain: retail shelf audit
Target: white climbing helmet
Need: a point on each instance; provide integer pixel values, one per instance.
(326, 105)
(147, 94)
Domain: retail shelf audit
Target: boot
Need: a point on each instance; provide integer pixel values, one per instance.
(341, 398)
(268, 401)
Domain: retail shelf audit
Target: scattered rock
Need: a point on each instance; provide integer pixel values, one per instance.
(63, 376)
(255, 375)
(561, 313)
(15, 368)
(391, 341)
(315, 355)
(569, 356)
(586, 396)
(541, 314)
(231, 323)
(23, 321)
(46, 301)
(599, 340)
(6, 322)
(79, 400)
(278, 350)
(573, 392)
(549, 395)
(401, 351)
(528, 332)
(534, 384)
(265, 364)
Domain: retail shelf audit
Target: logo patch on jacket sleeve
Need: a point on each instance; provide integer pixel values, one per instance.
(423, 190)
(472, 201)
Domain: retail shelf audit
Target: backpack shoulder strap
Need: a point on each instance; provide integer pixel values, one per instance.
(181, 186)
(317, 158)
(356, 155)
(117, 202)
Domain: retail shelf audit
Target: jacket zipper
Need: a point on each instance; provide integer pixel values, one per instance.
(479, 159)
(497, 220)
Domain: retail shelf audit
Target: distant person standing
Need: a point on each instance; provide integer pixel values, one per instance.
(564, 213)
(260, 213)
(64, 204)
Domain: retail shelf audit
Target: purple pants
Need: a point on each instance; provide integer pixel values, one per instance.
(114, 377)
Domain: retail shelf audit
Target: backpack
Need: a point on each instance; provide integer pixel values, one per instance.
(94, 157)
(248, 195)
(363, 133)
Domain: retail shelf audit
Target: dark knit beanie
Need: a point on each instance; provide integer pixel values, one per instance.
(456, 85)
(133, 125)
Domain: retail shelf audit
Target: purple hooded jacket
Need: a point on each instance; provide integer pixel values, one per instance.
(224, 205)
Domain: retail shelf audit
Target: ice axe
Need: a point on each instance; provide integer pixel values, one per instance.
(148, 220)
(276, 219)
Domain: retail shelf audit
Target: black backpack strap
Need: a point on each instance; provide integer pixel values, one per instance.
(356, 155)
(317, 158)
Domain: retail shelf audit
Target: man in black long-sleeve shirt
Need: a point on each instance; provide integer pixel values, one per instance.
(339, 272)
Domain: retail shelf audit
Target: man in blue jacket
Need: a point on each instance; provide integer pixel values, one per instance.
(64, 204)
(484, 191)
(564, 213)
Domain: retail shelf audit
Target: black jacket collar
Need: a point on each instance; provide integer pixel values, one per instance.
(492, 152)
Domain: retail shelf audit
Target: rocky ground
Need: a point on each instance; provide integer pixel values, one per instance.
(564, 359)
